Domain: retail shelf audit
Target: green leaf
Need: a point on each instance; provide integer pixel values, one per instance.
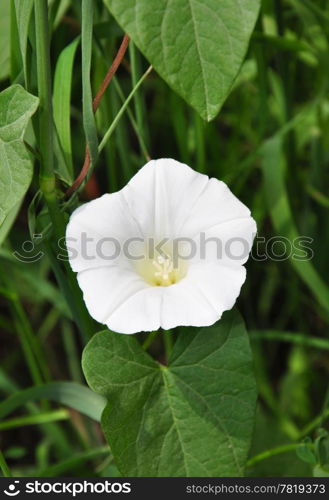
(8, 222)
(23, 15)
(73, 395)
(62, 100)
(319, 471)
(193, 417)
(16, 108)
(305, 452)
(4, 39)
(197, 46)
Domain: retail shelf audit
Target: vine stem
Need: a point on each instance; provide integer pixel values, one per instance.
(96, 102)
(111, 72)
(47, 175)
(274, 451)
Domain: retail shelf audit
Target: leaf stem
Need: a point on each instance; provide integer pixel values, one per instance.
(317, 422)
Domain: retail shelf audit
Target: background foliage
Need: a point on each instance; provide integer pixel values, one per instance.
(269, 143)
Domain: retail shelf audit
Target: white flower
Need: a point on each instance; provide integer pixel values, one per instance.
(166, 250)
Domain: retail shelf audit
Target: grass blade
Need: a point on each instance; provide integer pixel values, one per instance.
(290, 337)
(62, 100)
(39, 418)
(79, 458)
(277, 198)
(23, 13)
(75, 396)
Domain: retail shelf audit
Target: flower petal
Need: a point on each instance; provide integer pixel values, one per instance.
(126, 304)
(108, 289)
(201, 298)
(107, 224)
(161, 195)
(216, 205)
(227, 243)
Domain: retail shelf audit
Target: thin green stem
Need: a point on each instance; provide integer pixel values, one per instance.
(325, 408)
(134, 124)
(317, 422)
(4, 467)
(72, 356)
(168, 343)
(319, 197)
(89, 124)
(262, 83)
(138, 101)
(150, 339)
(47, 176)
(113, 125)
(200, 143)
(273, 452)
(140, 133)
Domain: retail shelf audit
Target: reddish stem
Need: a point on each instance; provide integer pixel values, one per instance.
(96, 102)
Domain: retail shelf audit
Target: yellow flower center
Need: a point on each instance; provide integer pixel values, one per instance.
(162, 270)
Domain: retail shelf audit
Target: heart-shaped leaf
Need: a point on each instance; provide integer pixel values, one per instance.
(193, 417)
(16, 108)
(197, 46)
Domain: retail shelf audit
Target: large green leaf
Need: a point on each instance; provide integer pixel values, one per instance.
(16, 108)
(197, 46)
(193, 417)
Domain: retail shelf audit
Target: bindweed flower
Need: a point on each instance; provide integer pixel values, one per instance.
(166, 250)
